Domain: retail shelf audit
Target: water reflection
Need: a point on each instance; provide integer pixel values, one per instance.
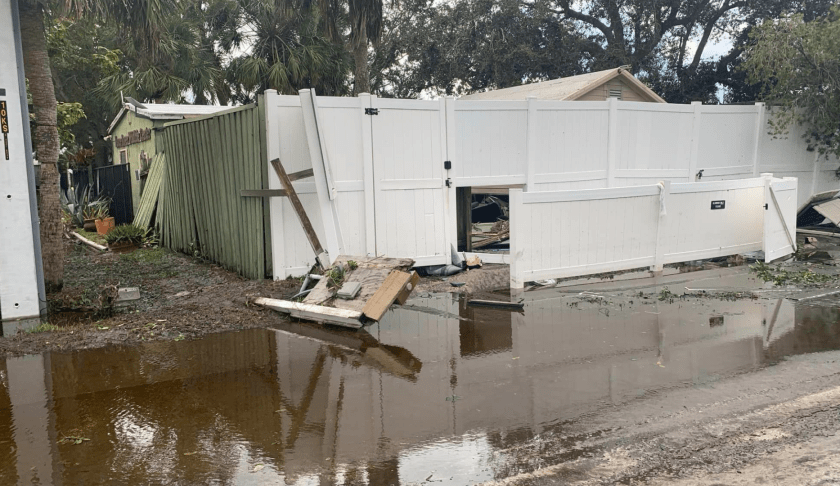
(430, 395)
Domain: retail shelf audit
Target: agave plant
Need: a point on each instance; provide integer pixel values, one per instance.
(126, 233)
(75, 203)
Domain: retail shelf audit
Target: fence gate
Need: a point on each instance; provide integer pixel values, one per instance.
(114, 182)
(409, 149)
(779, 218)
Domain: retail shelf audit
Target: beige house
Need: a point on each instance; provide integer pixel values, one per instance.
(597, 86)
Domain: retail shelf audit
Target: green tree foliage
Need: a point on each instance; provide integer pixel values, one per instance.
(470, 45)
(283, 48)
(797, 63)
(185, 60)
(81, 55)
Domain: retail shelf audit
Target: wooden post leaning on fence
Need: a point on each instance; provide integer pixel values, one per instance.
(320, 255)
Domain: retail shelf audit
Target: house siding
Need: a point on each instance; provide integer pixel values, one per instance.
(129, 122)
(602, 92)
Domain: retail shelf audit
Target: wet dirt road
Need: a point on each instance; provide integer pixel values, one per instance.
(590, 386)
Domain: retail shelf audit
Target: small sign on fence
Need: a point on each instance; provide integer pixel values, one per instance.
(718, 204)
(4, 125)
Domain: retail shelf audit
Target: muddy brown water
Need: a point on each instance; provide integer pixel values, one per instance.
(433, 394)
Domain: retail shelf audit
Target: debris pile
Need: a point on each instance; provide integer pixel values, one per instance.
(352, 292)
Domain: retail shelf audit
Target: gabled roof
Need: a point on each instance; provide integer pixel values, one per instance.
(567, 89)
(164, 111)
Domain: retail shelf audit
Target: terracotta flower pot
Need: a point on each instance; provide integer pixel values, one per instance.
(103, 226)
(90, 225)
(123, 247)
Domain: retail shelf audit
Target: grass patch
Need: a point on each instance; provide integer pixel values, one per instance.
(145, 255)
(92, 236)
(44, 327)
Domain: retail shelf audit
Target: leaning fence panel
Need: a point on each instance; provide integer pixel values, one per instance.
(563, 234)
(201, 209)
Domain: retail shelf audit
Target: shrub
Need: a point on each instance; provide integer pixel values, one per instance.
(126, 233)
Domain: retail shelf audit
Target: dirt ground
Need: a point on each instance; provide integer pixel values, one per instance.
(778, 425)
(181, 298)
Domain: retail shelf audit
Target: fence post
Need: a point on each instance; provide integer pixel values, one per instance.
(450, 137)
(768, 178)
(695, 141)
(517, 237)
(816, 173)
(759, 125)
(530, 150)
(323, 182)
(612, 140)
(367, 155)
(664, 193)
(275, 204)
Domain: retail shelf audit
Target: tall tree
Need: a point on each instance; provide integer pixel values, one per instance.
(141, 15)
(797, 64)
(284, 49)
(354, 23)
(432, 48)
(37, 67)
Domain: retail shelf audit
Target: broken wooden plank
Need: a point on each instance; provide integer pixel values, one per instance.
(370, 272)
(496, 303)
(262, 193)
(382, 300)
(409, 287)
(301, 174)
(300, 212)
(316, 313)
(294, 176)
(489, 241)
(88, 242)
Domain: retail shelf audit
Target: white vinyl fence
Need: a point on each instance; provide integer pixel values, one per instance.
(558, 234)
(381, 186)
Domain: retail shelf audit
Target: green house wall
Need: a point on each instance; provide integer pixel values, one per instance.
(130, 121)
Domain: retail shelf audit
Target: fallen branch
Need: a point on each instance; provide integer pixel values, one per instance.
(88, 242)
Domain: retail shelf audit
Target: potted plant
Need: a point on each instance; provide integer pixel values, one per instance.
(104, 222)
(89, 213)
(125, 238)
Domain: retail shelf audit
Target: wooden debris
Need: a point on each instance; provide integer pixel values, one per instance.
(493, 239)
(381, 282)
(317, 313)
(409, 287)
(369, 271)
(473, 261)
(387, 294)
(88, 242)
(496, 303)
(286, 182)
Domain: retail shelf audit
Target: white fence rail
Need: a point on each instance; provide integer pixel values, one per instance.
(393, 196)
(560, 234)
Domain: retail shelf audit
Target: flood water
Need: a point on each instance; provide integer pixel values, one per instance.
(434, 393)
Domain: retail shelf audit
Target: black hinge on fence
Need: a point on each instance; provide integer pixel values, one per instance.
(447, 164)
(371, 111)
(766, 206)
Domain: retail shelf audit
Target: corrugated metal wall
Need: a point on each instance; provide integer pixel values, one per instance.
(209, 161)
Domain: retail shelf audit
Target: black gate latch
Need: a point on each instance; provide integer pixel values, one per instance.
(371, 111)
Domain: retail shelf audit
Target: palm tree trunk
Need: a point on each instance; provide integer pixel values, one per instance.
(37, 67)
(360, 70)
